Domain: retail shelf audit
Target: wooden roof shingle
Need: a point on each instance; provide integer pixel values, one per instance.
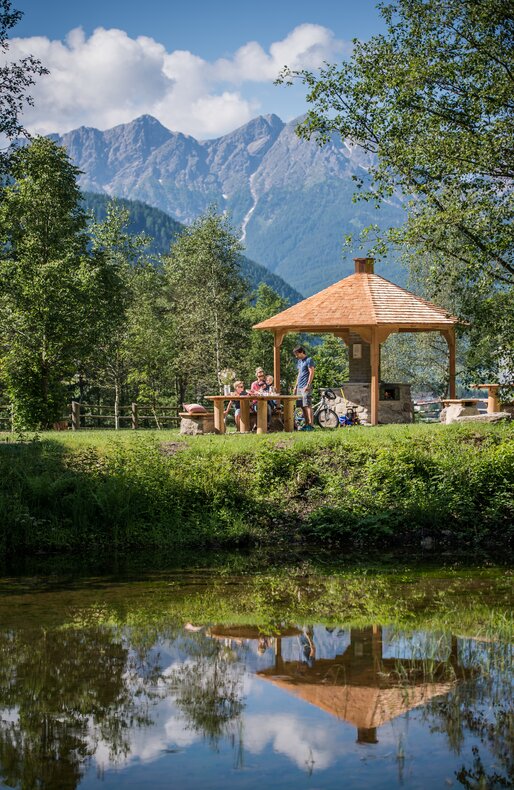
(362, 299)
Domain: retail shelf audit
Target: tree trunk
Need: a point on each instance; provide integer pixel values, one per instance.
(117, 394)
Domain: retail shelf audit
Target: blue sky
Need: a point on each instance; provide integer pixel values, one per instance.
(201, 67)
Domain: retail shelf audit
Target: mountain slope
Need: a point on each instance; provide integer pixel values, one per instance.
(292, 199)
(162, 229)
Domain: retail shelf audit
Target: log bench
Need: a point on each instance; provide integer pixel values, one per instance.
(196, 423)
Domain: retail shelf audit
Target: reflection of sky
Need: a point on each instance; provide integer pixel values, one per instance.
(416, 645)
(281, 740)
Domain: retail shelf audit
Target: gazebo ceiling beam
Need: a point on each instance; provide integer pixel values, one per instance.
(340, 331)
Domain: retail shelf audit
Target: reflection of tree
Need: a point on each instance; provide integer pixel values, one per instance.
(482, 708)
(208, 692)
(60, 693)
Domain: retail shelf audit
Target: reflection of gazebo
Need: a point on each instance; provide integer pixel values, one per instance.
(363, 310)
(242, 633)
(361, 686)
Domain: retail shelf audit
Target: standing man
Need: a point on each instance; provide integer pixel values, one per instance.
(303, 387)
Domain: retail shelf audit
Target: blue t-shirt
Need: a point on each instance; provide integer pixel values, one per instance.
(303, 366)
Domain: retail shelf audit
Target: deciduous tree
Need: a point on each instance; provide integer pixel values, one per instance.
(207, 295)
(51, 287)
(432, 98)
(15, 78)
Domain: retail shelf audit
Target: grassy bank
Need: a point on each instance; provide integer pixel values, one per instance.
(394, 485)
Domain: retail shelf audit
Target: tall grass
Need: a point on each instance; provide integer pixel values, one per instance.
(395, 485)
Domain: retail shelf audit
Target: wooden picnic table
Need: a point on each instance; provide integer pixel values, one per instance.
(262, 410)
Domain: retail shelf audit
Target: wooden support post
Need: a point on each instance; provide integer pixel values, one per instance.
(244, 416)
(375, 372)
(289, 404)
(75, 415)
(133, 413)
(493, 402)
(278, 338)
(449, 336)
(219, 416)
(262, 415)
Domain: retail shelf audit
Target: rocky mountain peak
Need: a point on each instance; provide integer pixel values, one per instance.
(290, 199)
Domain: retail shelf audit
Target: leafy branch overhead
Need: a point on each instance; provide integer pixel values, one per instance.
(433, 99)
(15, 79)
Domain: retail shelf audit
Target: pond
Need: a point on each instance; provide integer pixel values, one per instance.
(236, 672)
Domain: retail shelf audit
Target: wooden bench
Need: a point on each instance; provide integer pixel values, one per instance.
(195, 423)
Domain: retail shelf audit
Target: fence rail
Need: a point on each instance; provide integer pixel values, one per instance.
(77, 415)
(80, 413)
(7, 417)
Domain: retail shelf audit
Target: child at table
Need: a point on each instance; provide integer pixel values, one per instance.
(270, 389)
(239, 389)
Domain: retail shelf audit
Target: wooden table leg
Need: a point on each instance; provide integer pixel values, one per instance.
(493, 403)
(289, 415)
(219, 416)
(244, 416)
(262, 415)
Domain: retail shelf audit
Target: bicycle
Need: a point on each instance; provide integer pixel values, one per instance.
(322, 413)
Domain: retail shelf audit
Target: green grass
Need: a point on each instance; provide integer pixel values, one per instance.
(391, 485)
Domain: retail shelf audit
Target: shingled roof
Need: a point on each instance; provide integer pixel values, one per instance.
(362, 299)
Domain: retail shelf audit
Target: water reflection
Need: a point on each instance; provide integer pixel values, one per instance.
(359, 684)
(90, 702)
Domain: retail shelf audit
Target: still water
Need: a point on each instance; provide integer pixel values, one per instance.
(307, 675)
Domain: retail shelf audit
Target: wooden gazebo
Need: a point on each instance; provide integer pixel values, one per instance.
(363, 309)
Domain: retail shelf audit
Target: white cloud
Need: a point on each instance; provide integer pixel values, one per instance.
(301, 741)
(110, 78)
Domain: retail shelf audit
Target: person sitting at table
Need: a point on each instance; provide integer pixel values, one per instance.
(239, 389)
(259, 385)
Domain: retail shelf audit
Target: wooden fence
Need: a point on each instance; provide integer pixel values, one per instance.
(6, 418)
(132, 416)
(87, 415)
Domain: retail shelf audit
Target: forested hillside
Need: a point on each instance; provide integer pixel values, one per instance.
(163, 230)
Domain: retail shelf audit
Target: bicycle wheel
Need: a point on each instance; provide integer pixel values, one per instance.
(327, 418)
(299, 419)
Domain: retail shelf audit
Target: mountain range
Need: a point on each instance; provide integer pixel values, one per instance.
(289, 199)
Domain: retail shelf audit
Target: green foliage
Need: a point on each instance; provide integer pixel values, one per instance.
(260, 348)
(130, 315)
(15, 78)
(393, 487)
(432, 99)
(207, 295)
(49, 281)
(331, 358)
(161, 230)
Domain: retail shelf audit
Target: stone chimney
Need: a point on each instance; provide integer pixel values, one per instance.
(364, 265)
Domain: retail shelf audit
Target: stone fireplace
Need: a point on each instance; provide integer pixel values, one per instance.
(395, 402)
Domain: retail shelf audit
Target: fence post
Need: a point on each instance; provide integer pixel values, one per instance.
(135, 424)
(75, 415)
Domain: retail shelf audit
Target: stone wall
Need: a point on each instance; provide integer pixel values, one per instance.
(360, 366)
(358, 397)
